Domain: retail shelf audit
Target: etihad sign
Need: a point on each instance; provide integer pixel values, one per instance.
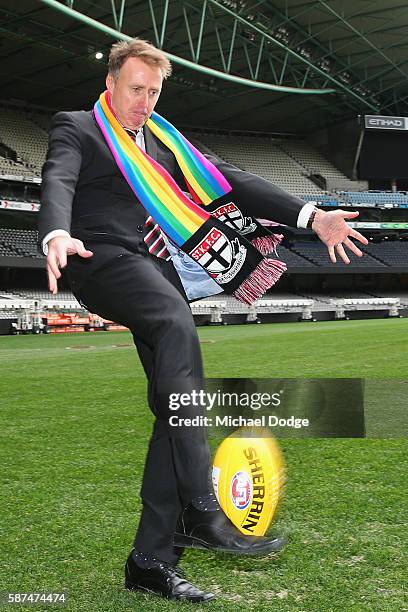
(383, 122)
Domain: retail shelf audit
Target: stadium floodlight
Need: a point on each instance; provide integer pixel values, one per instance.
(98, 55)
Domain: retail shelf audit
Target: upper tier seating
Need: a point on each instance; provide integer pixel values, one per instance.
(262, 156)
(371, 197)
(311, 159)
(19, 132)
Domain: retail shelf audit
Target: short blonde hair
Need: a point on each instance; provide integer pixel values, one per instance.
(137, 47)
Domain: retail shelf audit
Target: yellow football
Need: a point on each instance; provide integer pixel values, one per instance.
(248, 478)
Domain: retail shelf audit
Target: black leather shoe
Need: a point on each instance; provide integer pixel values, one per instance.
(162, 579)
(213, 530)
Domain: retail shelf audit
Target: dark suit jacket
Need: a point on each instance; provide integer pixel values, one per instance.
(84, 192)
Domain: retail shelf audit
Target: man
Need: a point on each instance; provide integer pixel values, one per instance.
(92, 223)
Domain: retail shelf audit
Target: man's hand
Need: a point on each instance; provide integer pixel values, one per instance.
(333, 230)
(58, 250)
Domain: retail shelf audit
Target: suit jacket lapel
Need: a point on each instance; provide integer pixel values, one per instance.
(159, 152)
(151, 143)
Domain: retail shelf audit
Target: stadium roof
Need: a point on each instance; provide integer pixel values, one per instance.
(301, 64)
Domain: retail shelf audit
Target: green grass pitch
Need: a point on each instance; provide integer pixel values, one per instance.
(74, 431)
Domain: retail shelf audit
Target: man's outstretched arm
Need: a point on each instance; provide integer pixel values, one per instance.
(59, 178)
(260, 198)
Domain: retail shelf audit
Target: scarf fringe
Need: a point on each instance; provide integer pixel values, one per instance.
(265, 275)
(267, 244)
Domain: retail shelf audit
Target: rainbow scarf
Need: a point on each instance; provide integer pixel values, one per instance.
(231, 260)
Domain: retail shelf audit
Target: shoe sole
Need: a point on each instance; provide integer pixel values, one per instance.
(136, 587)
(184, 541)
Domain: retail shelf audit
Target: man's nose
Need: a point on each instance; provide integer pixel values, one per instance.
(144, 100)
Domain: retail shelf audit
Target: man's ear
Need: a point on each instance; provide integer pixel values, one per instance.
(110, 83)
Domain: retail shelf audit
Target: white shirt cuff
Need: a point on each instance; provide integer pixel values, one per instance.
(304, 214)
(50, 236)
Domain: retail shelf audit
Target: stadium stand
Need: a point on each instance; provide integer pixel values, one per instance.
(361, 198)
(327, 199)
(284, 162)
(264, 157)
(316, 252)
(42, 120)
(4, 314)
(287, 162)
(392, 253)
(310, 159)
(9, 167)
(19, 243)
(302, 254)
(19, 132)
(401, 295)
(294, 260)
(34, 294)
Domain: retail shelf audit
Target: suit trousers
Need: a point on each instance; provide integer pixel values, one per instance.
(145, 294)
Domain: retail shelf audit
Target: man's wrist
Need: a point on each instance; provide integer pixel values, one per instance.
(50, 236)
(315, 218)
(304, 214)
(311, 219)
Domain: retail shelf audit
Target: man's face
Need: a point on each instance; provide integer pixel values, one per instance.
(135, 92)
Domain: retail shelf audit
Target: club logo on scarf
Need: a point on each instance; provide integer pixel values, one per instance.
(221, 257)
(232, 216)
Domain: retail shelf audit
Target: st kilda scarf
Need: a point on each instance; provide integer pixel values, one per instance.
(209, 227)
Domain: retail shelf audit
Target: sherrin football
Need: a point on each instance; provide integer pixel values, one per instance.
(248, 478)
